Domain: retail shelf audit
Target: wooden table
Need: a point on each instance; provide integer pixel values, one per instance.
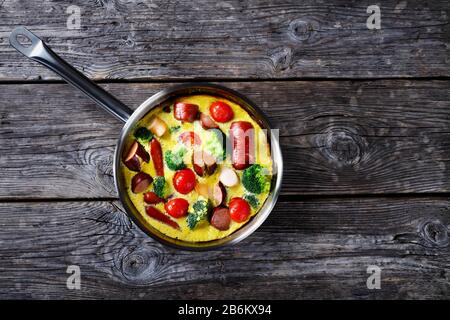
(364, 119)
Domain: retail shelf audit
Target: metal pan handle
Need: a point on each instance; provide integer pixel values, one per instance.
(36, 50)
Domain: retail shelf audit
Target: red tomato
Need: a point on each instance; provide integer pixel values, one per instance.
(239, 209)
(190, 138)
(220, 111)
(184, 181)
(177, 207)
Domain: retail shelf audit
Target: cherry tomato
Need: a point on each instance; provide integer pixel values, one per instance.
(239, 209)
(177, 207)
(184, 181)
(190, 138)
(220, 111)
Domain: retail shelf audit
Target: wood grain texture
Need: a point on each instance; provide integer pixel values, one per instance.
(337, 137)
(310, 249)
(386, 141)
(261, 39)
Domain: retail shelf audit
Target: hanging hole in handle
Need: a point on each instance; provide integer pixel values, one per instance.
(23, 40)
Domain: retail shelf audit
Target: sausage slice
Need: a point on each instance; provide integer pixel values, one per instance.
(220, 218)
(228, 177)
(242, 137)
(140, 182)
(218, 194)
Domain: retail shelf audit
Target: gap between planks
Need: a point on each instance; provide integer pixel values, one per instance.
(199, 80)
(281, 198)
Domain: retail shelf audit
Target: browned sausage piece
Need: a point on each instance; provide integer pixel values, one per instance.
(133, 163)
(131, 159)
(131, 152)
(203, 163)
(207, 122)
(242, 144)
(157, 126)
(228, 177)
(197, 163)
(186, 112)
(221, 218)
(218, 194)
(156, 152)
(210, 162)
(140, 182)
(142, 153)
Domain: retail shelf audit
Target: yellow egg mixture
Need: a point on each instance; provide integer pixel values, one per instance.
(169, 141)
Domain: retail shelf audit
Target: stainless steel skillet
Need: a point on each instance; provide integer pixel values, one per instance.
(34, 48)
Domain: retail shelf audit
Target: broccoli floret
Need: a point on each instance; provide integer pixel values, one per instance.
(255, 179)
(200, 212)
(252, 200)
(160, 187)
(174, 160)
(215, 143)
(174, 129)
(191, 220)
(201, 205)
(143, 135)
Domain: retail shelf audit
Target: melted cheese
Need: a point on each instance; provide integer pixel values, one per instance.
(203, 231)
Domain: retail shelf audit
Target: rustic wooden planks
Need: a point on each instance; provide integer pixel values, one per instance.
(366, 161)
(317, 248)
(233, 39)
(338, 137)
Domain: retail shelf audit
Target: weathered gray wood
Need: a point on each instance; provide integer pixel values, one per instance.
(163, 39)
(337, 137)
(310, 249)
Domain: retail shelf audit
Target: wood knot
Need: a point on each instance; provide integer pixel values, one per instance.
(342, 146)
(128, 41)
(436, 233)
(104, 174)
(281, 58)
(301, 29)
(139, 265)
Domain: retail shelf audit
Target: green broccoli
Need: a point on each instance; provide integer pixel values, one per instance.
(215, 143)
(201, 209)
(160, 187)
(174, 129)
(143, 135)
(174, 160)
(252, 200)
(255, 179)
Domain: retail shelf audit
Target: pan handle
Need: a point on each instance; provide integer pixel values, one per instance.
(36, 50)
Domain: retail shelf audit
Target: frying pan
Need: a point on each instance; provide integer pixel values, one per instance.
(34, 48)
